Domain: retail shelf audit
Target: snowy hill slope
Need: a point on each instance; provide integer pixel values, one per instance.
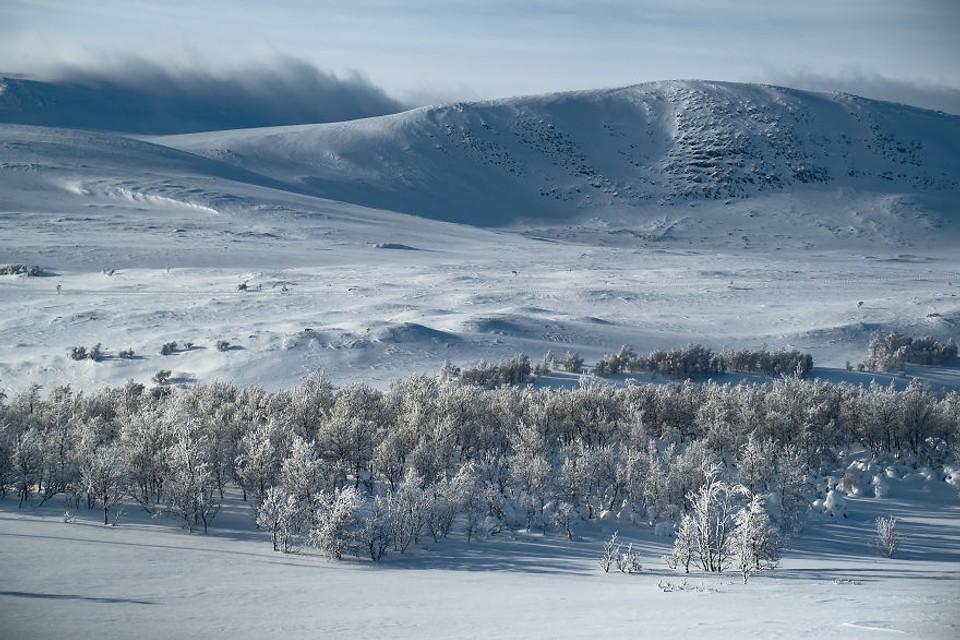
(151, 244)
(624, 151)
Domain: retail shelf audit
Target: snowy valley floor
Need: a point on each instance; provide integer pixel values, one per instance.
(148, 579)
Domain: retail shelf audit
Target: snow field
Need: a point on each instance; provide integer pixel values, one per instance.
(148, 577)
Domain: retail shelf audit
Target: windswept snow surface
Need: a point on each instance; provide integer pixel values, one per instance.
(147, 578)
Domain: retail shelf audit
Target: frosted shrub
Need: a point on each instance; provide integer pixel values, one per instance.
(77, 353)
(83, 353)
(629, 561)
(20, 270)
(888, 540)
(611, 552)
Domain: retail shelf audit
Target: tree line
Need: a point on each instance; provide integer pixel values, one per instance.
(364, 471)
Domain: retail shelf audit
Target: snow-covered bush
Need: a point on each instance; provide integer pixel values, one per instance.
(572, 362)
(888, 539)
(611, 553)
(628, 560)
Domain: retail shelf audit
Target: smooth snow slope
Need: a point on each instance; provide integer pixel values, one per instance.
(149, 244)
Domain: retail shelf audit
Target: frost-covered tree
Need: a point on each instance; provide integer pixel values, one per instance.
(103, 476)
(145, 438)
(191, 489)
(408, 509)
(467, 490)
(684, 544)
(310, 405)
(302, 473)
(58, 438)
(572, 362)
(337, 526)
(755, 542)
(280, 514)
(755, 464)
(347, 438)
(711, 509)
(258, 462)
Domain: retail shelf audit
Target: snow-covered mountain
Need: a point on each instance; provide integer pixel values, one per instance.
(656, 215)
(620, 152)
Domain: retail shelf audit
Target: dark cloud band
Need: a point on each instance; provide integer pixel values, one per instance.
(139, 96)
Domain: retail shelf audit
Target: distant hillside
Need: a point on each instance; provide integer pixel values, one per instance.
(614, 151)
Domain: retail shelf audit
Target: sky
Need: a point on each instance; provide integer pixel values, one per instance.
(421, 51)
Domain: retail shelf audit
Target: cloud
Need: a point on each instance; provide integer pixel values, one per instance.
(919, 94)
(140, 96)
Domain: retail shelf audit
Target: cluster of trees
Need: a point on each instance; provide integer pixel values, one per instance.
(726, 525)
(509, 371)
(696, 361)
(893, 350)
(364, 472)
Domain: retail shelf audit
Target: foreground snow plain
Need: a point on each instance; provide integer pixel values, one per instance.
(148, 578)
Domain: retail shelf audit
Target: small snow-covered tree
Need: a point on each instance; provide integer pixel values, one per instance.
(564, 515)
(755, 542)
(711, 510)
(103, 476)
(191, 487)
(302, 473)
(628, 560)
(336, 523)
(572, 362)
(468, 491)
(376, 530)
(408, 509)
(257, 464)
(26, 463)
(280, 513)
(684, 544)
(145, 438)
